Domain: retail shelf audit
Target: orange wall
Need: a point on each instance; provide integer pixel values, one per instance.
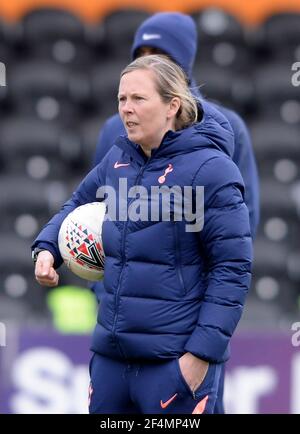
(250, 12)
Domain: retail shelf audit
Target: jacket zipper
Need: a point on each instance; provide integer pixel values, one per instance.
(137, 181)
(178, 259)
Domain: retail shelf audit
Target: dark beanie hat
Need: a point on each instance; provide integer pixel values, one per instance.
(173, 33)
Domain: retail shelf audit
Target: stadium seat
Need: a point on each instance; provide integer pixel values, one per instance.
(57, 34)
(41, 149)
(275, 300)
(293, 265)
(273, 138)
(215, 23)
(277, 198)
(119, 28)
(280, 33)
(266, 263)
(277, 151)
(279, 228)
(280, 213)
(223, 86)
(104, 83)
(272, 282)
(41, 87)
(221, 40)
(89, 134)
(273, 90)
(236, 58)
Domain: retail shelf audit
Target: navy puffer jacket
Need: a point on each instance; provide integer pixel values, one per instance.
(168, 291)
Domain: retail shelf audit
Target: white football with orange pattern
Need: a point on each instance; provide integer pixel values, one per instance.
(80, 241)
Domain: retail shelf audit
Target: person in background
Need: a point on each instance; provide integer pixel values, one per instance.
(175, 35)
(173, 294)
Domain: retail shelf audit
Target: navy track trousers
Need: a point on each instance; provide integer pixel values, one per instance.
(120, 387)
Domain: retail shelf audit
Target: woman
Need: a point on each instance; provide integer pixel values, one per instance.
(173, 296)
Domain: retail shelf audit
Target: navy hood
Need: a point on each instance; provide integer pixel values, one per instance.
(173, 33)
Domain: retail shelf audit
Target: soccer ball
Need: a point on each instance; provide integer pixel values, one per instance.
(80, 241)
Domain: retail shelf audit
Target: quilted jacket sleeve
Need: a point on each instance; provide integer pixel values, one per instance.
(226, 242)
(86, 193)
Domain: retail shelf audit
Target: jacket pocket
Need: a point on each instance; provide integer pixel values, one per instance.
(178, 264)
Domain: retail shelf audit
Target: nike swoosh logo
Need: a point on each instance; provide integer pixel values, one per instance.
(117, 165)
(165, 404)
(147, 36)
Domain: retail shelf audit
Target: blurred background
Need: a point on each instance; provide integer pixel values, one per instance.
(59, 75)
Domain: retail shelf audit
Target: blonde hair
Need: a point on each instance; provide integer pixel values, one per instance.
(171, 82)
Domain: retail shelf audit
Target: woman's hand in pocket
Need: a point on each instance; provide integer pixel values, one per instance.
(193, 370)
